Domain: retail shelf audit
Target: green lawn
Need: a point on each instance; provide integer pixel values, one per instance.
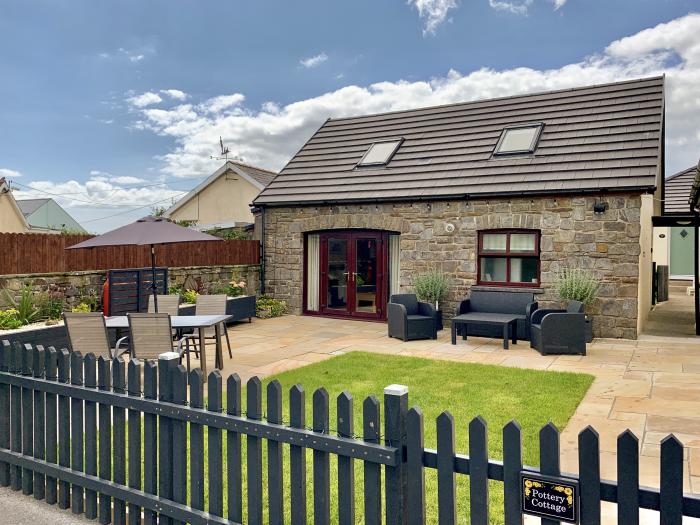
(498, 394)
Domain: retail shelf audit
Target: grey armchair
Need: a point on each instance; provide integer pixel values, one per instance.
(559, 331)
(410, 319)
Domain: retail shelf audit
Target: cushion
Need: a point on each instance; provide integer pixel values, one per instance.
(500, 302)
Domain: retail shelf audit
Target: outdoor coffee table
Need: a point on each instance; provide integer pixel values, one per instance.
(507, 321)
(197, 322)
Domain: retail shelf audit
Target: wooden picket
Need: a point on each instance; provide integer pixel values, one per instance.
(24, 253)
(64, 439)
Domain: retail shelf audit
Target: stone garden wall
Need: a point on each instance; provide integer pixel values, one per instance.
(75, 287)
(571, 234)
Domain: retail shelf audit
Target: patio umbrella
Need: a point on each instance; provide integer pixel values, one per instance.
(146, 231)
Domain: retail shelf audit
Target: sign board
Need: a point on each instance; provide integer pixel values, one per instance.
(550, 497)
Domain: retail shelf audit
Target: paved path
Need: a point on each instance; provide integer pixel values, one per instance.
(18, 509)
(673, 317)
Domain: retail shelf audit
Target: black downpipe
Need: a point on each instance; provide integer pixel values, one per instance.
(697, 276)
(262, 250)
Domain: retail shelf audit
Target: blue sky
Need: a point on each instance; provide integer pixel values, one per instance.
(123, 102)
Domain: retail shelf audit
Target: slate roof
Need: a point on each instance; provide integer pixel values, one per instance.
(29, 206)
(605, 137)
(678, 189)
(263, 176)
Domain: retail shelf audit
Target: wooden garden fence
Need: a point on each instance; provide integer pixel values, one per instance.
(22, 253)
(89, 434)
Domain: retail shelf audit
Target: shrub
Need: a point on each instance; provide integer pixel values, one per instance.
(236, 234)
(189, 297)
(9, 319)
(175, 289)
(51, 308)
(577, 284)
(266, 307)
(26, 306)
(235, 289)
(82, 308)
(431, 286)
(90, 298)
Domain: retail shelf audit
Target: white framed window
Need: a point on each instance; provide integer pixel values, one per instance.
(519, 139)
(380, 153)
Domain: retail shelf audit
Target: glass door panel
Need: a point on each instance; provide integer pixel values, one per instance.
(338, 275)
(364, 276)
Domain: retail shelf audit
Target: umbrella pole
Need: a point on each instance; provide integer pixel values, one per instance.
(153, 279)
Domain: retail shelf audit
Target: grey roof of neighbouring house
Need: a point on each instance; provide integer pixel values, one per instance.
(678, 189)
(605, 137)
(29, 206)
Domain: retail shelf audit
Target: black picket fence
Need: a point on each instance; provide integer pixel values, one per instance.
(89, 434)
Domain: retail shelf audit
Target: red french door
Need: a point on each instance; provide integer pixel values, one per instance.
(353, 279)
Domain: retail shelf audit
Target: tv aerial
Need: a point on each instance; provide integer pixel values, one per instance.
(224, 153)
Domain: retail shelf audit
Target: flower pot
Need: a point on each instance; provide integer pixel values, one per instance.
(589, 329)
(438, 320)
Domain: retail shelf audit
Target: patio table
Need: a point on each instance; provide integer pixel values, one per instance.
(507, 321)
(198, 322)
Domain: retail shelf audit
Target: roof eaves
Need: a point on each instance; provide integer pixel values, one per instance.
(458, 196)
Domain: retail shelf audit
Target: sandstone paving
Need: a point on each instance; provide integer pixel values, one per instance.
(650, 386)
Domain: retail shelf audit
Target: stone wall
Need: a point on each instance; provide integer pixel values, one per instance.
(73, 287)
(571, 234)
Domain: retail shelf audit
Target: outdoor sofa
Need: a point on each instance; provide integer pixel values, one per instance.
(559, 331)
(519, 303)
(411, 319)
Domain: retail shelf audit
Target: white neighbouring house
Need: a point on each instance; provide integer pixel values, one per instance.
(223, 199)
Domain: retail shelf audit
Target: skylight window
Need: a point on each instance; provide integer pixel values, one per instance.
(380, 153)
(518, 139)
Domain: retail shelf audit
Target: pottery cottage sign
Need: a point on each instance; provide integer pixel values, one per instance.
(550, 497)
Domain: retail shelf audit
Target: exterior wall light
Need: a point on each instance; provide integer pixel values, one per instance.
(600, 207)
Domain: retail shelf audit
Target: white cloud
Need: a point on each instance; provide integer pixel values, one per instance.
(314, 61)
(518, 7)
(10, 174)
(270, 135)
(105, 176)
(433, 12)
(521, 7)
(101, 197)
(175, 94)
(126, 179)
(221, 103)
(145, 99)
(132, 55)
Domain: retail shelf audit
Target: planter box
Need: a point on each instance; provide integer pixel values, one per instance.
(46, 336)
(241, 308)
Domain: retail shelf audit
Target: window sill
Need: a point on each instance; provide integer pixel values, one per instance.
(494, 288)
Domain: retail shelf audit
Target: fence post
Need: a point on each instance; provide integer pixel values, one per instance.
(395, 410)
(167, 363)
(5, 351)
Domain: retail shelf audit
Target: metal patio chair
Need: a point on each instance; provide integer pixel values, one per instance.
(167, 304)
(211, 305)
(152, 335)
(87, 333)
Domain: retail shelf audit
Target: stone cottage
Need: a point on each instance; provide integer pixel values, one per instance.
(497, 193)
